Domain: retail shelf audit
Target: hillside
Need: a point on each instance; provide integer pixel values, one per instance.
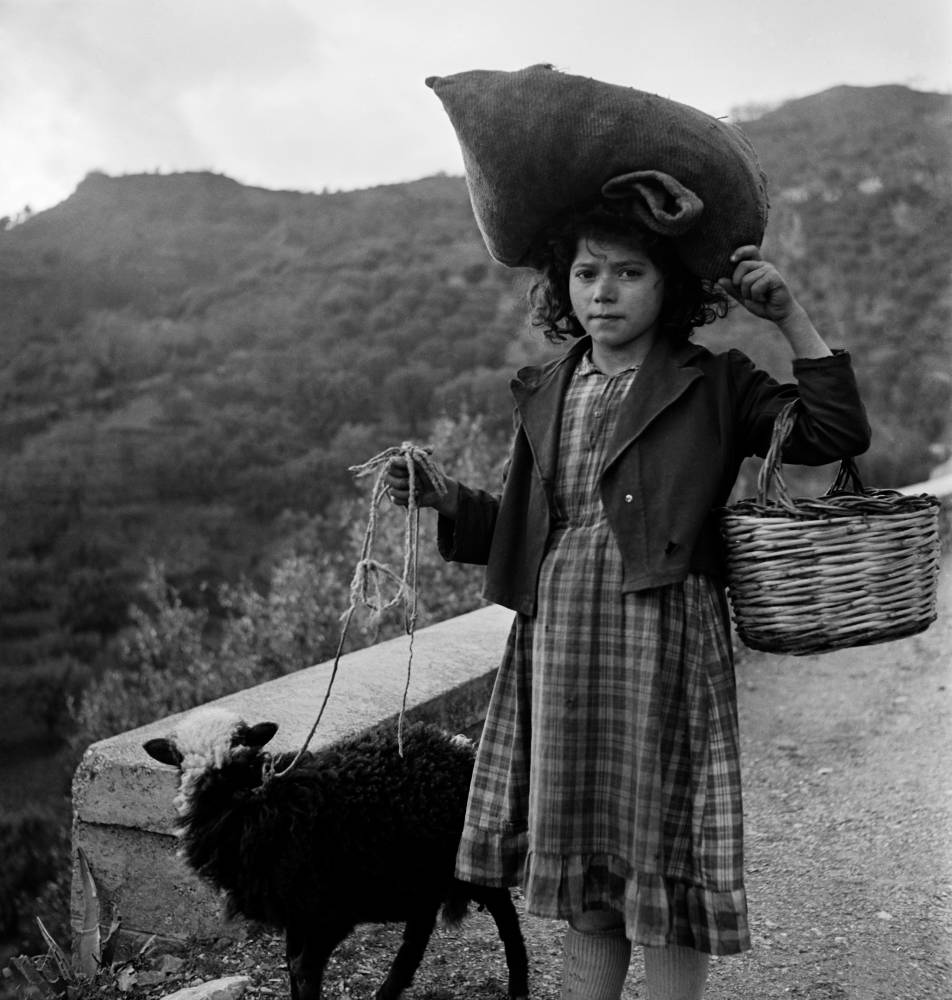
(185, 346)
(861, 182)
(188, 366)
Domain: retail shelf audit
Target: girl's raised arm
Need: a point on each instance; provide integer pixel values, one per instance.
(760, 288)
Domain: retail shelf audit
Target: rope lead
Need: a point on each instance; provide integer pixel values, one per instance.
(365, 586)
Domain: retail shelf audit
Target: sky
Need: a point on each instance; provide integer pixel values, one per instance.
(309, 95)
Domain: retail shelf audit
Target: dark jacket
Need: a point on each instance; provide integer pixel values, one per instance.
(683, 430)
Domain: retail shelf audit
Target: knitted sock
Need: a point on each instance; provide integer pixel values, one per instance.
(675, 973)
(595, 965)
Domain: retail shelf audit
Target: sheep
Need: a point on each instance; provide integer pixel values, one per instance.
(354, 833)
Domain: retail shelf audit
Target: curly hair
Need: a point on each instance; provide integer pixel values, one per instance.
(689, 301)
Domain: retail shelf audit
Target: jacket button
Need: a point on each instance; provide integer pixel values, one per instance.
(628, 498)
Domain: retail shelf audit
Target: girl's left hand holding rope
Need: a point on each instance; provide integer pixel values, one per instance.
(398, 488)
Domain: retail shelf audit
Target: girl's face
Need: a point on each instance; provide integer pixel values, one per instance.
(616, 292)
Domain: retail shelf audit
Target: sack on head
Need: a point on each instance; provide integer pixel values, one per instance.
(537, 143)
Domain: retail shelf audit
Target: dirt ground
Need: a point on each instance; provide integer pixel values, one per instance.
(848, 790)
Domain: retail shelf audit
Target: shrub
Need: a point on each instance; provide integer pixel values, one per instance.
(34, 845)
(174, 657)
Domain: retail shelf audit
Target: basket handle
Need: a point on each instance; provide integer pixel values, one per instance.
(771, 471)
(847, 479)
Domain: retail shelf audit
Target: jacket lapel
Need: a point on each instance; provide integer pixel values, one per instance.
(539, 393)
(663, 379)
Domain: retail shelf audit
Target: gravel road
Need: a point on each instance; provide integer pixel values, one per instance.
(848, 784)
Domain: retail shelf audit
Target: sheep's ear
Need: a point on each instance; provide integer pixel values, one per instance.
(163, 750)
(256, 736)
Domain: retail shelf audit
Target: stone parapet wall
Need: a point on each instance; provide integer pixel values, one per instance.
(123, 813)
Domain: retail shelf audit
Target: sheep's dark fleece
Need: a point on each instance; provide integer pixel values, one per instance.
(354, 833)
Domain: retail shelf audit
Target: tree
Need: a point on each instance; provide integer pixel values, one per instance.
(408, 392)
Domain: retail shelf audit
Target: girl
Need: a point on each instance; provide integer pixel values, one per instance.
(608, 777)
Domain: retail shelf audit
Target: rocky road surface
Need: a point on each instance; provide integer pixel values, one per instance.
(848, 786)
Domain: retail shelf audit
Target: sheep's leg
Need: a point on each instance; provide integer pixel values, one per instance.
(499, 903)
(416, 936)
(308, 951)
(293, 948)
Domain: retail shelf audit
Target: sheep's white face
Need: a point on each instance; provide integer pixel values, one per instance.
(205, 739)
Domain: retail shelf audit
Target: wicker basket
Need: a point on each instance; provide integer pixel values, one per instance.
(854, 567)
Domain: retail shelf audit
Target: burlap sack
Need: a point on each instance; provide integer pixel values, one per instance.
(537, 142)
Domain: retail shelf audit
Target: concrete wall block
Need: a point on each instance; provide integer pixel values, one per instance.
(123, 801)
(124, 789)
(141, 875)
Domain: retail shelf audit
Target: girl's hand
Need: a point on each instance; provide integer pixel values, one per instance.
(760, 289)
(398, 487)
(758, 286)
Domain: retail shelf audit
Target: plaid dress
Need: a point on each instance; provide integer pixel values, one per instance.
(608, 774)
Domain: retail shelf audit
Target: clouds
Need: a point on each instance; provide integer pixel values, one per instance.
(305, 94)
(125, 85)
